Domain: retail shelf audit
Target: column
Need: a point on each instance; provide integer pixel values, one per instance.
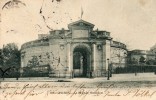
(94, 57)
(70, 59)
(94, 60)
(69, 56)
(106, 54)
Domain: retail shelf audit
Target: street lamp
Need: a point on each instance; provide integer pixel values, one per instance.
(155, 55)
(108, 70)
(125, 61)
(154, 64)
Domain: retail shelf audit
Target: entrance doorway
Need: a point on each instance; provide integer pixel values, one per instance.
(81, 61)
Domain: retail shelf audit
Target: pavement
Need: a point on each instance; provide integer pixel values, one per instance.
(115, 77)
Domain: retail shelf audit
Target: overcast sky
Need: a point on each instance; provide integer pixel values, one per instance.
(132, 22)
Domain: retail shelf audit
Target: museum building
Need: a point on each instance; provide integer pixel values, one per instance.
(77, 52)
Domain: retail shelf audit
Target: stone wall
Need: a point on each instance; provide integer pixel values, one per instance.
(58, 59)
(40, 52)
(118, 57)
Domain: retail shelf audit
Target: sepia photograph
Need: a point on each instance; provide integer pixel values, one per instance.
(77, 49)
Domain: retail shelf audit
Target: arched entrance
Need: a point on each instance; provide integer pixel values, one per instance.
(81, 61)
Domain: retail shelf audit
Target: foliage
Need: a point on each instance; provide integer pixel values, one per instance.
(39, 71)
(134, 61)
(1, 58)
(151, 62)
(11, 55)
(135, 69)
(33, 62)
(10, 59)
(119, 56)
(142, 59)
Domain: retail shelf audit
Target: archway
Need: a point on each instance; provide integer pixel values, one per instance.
(81, 61)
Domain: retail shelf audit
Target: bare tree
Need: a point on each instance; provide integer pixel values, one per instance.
(118, 56)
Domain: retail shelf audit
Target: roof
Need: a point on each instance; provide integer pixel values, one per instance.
(90, 24)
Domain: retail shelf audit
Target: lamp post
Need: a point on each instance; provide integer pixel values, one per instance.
(108, 70)
(154, 64)
(125, 60)
(155, 55)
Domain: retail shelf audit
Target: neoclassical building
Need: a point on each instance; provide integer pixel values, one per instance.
(136, 55)
(77, 51)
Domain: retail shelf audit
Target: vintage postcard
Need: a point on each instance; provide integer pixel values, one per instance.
(77, 49)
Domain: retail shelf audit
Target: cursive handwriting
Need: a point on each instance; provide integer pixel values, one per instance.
(81, 90)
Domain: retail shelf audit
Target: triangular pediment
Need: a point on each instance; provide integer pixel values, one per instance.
(81, 23)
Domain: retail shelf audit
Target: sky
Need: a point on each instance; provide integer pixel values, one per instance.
(132, 22)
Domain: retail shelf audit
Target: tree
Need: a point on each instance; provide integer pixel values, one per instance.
(9, 60)
(142, 60)
(11, 55)
(134, 61)
(33, 62)
(118, 56)
(151, 62)
(1, 58)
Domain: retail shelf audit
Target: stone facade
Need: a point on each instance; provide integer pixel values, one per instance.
(79, 51)
(118, 54)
